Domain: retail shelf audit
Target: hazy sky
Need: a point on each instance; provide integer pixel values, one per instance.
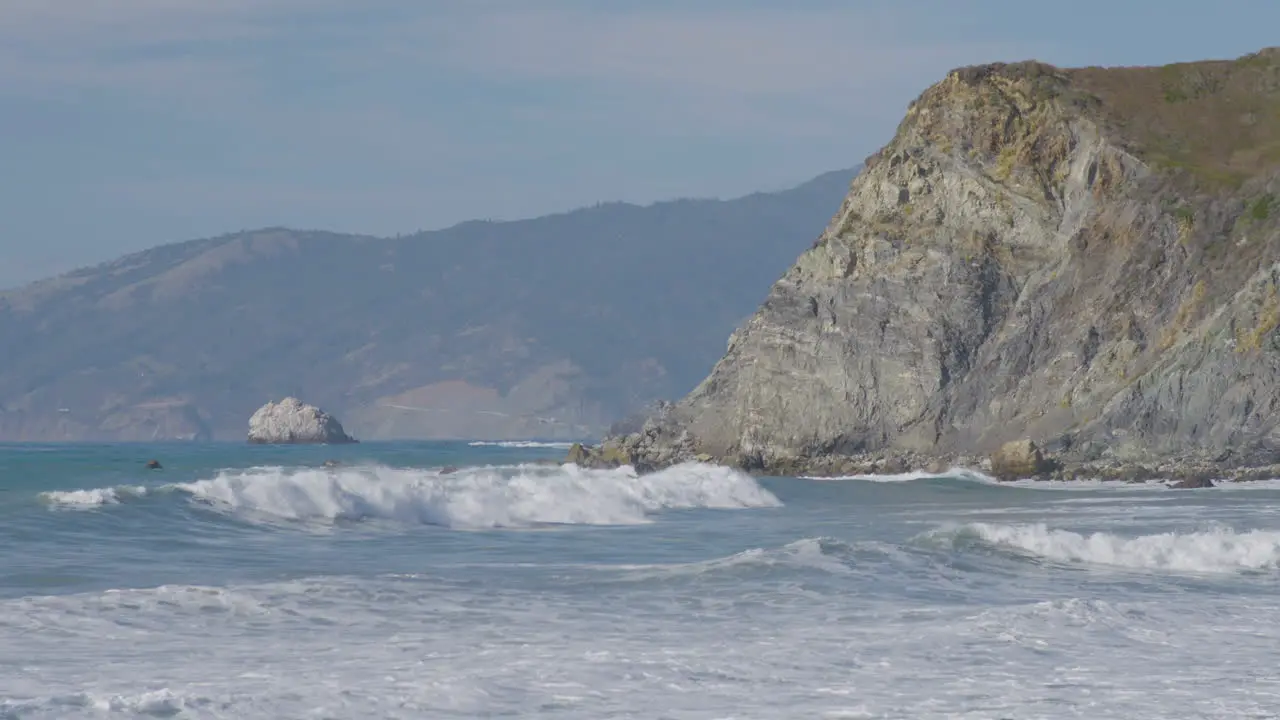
(129, 123)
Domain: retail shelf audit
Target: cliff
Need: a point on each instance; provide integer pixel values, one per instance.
(544, 328)
(1087, 258)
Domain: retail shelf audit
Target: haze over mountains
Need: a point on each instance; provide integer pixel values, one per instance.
(1087, 258)
(549, 328)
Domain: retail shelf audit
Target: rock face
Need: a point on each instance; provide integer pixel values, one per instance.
(1089, 258)
(291, 421)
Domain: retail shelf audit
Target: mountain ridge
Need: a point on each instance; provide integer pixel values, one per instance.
(545, 327)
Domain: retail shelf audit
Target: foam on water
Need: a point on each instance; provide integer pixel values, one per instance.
(914, 475)
(479, 497)
(1017, 604)
(1214, 551)
(971, 475)
(521, 444)
(1081, 484)
(157, 703)
(824, 554)
(426, 647)
(92, 498)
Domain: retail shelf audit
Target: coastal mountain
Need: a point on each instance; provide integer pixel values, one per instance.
(1087, 258)
(544, 328)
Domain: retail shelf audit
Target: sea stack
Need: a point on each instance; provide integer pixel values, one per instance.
(293, 422)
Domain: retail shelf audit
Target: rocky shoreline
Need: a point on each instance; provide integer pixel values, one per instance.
(1181, 473)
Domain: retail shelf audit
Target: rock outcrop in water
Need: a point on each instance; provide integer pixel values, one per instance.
(1088, 258)
(292, 422)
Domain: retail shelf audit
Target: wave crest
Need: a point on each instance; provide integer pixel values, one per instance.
(154, 703)
(526, 444)
(955, 473)
(93, 497)
(1212, 551)
(824, 554)
(484, 497)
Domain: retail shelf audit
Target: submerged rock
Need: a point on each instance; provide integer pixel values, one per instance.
(1193, 482)
(292, 422)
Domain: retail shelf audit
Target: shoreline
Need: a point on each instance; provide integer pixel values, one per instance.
(1182, 473)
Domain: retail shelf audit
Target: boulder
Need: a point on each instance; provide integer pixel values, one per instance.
(608, 455)
(578, 454)
(292, 422)
(1193, 482)
(1018, 459)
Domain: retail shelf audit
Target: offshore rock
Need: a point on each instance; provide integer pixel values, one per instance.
(291, 421)
(1086, 258)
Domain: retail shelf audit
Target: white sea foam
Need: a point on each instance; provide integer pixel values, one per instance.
(481, 497)
(914, 475)
(93, 497)
(825, 554)
(969, 474)
(1214, 551)
(664, 620)
(418, 647)
(520, 444)
(155, 703)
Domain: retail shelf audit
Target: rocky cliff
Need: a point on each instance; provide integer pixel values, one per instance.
(1088, 258)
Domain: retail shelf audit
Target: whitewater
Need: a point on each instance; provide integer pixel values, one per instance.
(456, 580)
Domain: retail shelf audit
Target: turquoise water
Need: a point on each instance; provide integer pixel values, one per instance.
(253, 582)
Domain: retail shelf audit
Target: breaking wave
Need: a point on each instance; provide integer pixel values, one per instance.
(520, 444)
(92, 498)
(824, 554)
(155, 703)
(1212, 551)
(483, 497)
(471, 498)
(952, 474)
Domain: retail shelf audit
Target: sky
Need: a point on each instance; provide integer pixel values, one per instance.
(126, 124)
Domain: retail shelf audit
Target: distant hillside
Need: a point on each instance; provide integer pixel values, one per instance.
(550, 327)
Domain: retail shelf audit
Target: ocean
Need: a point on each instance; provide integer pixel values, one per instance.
(253, 582)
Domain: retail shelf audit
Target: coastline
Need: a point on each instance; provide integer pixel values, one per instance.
(1178, 472)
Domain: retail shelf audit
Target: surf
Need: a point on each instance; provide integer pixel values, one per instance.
(1216, 551)
(518, 496)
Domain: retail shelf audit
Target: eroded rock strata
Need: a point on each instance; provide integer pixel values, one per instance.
(1085, 258)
